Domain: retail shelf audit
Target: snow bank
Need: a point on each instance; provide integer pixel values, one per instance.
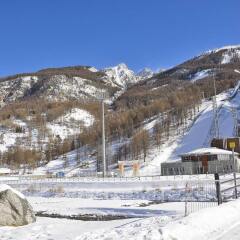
(206, 224)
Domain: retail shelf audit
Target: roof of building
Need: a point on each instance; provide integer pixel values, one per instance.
(208, 151)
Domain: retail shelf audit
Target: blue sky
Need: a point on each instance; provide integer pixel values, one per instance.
(35, 34)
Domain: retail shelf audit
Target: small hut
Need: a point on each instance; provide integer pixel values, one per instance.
(203, 160)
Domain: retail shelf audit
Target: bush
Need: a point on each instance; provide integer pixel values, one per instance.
(19, 129)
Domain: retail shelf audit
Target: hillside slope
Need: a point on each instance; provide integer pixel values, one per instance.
(200, 70)
(54, 114)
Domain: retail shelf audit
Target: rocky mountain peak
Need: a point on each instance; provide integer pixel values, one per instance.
(145, 73)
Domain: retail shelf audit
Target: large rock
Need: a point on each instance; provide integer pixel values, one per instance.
(14, 208)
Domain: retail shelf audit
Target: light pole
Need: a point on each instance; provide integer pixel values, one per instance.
(103, 95)
(103, 141)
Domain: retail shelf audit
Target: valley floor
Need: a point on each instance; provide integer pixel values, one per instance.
(216, 223)
(47, 228)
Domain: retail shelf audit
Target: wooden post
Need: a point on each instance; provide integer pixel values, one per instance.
(218, 191)
(234, 174)
(186, 200)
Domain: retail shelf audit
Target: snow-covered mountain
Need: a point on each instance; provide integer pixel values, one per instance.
(222, 63)
(145, 73)
(70, 83)
(226, 54)
(121, 76)
(56, 84)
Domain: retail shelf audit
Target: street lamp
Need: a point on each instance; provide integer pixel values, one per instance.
(103, 96)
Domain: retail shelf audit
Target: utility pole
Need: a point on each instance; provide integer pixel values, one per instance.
(103, 141)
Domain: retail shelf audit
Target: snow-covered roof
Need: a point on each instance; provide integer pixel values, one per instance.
(208, 151)
(4, 170)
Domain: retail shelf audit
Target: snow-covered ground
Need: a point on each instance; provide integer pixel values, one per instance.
(63, 229)
(71, 123)
(76, 207)
(56, 229)
(209, 223)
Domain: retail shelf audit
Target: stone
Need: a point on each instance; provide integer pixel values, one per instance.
(15, 210)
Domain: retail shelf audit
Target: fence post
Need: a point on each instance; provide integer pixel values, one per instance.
(218, 191)
(235, 185)
(186, 200)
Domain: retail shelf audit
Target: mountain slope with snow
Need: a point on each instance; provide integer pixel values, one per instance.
(200, 70)
(120, 76)
(57, 84)
(145, 73)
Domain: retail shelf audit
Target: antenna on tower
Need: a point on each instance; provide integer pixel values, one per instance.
(215, 109)
(235, 120)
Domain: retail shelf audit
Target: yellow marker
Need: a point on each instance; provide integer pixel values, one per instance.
(232, 145)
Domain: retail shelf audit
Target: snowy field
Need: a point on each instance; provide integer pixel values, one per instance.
(47, 228)
(78, 208)
(210, 223)
(56, 229)
(168, 224)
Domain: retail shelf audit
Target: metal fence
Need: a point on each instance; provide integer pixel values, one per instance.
(199, 195)
(195, 193)
(227, 189)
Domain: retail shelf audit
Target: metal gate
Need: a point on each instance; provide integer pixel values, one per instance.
(199, 195)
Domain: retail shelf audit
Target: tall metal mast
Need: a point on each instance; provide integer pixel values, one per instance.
(215, 110)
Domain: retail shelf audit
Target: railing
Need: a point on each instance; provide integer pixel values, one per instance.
(199, 195)
(191, 192)
(227, 190)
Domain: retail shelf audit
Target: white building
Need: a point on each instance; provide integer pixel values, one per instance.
(203, 160)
